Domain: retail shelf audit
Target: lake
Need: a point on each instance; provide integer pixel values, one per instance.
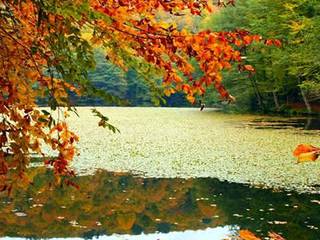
(123, 206)
(184, 142)
(175, 174)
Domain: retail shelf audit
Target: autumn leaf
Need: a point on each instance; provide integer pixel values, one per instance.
(304, 148)
(191, 98)
(306, 153)
(247, 235)
(273, 42)
(269, 42)
(307, 157)
(169, 91)
(277, 43)
(249, 68)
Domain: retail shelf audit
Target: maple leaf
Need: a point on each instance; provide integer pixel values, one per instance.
(306, 153)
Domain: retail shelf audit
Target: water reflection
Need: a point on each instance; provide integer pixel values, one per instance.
(207, 234)
(110, 203)
(286, 123)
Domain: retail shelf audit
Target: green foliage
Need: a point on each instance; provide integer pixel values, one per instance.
(104, 121)
(280, 72)
(140, 85)
(106, 84)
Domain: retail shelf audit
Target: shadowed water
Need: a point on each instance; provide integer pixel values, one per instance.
(286, 123)
(108, 204)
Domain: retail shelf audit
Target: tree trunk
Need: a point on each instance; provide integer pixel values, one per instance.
(276, 101)
(306, 102)
(257, 93)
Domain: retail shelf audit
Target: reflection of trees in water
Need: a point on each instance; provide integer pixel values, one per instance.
(308, 123)
(106, 203)
(262, 210)
(120, 203)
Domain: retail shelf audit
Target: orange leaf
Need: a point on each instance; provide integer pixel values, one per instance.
(269, 42)
(238, 42)
(256, 38)
(277, 43)
(186, 88)
(304, 148)
(169, 91)
(247, 235)
(249, 68)
(306, 153)
(247, 39)
(307, 157)
(191, 98)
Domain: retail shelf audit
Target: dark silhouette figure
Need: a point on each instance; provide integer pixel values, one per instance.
(202, 105)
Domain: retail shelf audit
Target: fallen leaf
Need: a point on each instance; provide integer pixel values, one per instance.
(306, 153)
(307, 157)
(304, 148)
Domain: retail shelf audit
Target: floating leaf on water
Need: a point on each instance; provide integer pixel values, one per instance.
(306, 153)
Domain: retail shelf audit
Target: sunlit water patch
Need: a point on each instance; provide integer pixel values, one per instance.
(207, 234)
(123, 206)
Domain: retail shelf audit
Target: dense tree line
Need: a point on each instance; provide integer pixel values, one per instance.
(287, 77)
(131, 86)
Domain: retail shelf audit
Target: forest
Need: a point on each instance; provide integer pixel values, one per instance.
(286, 79)
(160, 119)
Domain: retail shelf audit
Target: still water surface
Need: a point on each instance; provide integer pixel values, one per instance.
(123, 206)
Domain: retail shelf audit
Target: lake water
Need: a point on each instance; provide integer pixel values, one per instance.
(184, 142)
(163, 178)
(123, 206)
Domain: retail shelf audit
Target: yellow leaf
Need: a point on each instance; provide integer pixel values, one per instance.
(307, 157)
(306, 153)
(167, 92)
(191, 98)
